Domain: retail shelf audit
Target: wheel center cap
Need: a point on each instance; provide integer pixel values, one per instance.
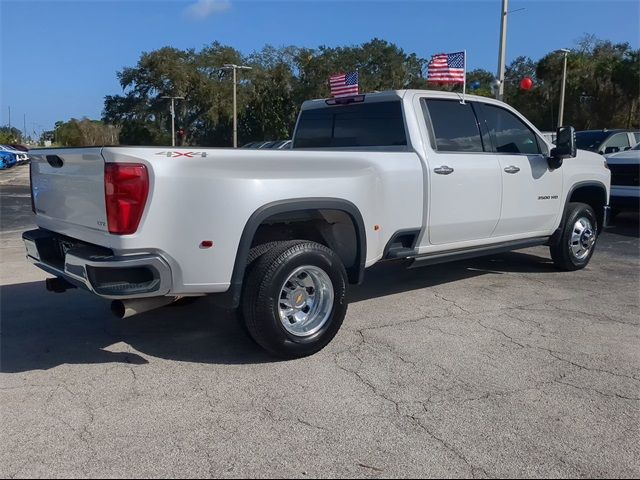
(298, 298)
(587, 238)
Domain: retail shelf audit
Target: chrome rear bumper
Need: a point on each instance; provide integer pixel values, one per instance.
(97, 269)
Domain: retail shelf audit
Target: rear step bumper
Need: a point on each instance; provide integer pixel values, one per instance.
(97, 269)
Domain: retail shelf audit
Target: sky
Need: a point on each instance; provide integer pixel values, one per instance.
(59, 58)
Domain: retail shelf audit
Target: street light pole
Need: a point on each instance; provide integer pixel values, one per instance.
(173, 118)
(235, 109)
(562, 88)
(230, 66)
(502, 50)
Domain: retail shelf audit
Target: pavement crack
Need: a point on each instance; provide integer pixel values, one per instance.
(369, 467)
(452, 302)
(473, 469)
(501, 332)
(599, 392)
(355, 372)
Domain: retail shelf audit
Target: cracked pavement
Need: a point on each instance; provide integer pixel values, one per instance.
(495, 367)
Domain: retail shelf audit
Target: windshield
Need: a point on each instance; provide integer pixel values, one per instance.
(590, 140)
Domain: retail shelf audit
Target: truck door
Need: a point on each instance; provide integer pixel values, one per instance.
(465, 182)
(531, 192)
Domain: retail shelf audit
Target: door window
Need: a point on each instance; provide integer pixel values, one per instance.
(509, 133)
(455, 126)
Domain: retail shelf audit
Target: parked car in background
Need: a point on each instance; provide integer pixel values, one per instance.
(607, 141)
(271, 144)
(268, 144)
(625, 180)
(261, 144)
(282, 144)
(7, 160)
(17, 146)
(21, 157)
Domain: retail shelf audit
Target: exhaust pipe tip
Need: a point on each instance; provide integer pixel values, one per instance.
(117, 308)
(130, 307)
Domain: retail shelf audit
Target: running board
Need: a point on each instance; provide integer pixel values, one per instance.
(473, 252)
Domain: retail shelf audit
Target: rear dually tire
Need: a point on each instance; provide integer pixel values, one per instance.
(294, 298)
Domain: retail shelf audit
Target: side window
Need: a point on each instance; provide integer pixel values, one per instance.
(509, 133)
(617, 143)
(455, 126)
(637, 136)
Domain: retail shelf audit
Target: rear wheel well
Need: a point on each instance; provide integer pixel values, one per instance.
(593, 195)
(335, 229)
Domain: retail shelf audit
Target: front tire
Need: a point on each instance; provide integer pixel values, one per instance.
(573, 245)
(294, 298)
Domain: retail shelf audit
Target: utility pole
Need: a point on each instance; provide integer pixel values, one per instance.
(230, 66)
(502, 51)
(173, 118)
(24, 127)
(9, 107)
(562, 87)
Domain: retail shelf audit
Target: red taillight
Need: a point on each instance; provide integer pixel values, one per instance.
(126, 186)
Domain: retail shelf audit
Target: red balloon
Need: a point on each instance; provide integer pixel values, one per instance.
(526, 83)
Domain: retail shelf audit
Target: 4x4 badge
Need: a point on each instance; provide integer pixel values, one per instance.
(175, 154)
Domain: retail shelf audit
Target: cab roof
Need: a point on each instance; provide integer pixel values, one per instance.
(389, 95)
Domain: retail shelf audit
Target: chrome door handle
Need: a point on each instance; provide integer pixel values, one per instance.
(511, 169)
(443, 170)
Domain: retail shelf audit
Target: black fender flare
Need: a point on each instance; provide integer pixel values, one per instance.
(576, 186)
(293, 205)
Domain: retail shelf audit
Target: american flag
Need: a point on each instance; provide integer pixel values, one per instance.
(343, 84)
(446, 68)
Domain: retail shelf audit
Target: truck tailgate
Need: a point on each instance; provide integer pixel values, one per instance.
(68, 185)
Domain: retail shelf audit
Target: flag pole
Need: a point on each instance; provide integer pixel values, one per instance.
(464, 78)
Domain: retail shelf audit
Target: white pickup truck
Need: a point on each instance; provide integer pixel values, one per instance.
(408, 174)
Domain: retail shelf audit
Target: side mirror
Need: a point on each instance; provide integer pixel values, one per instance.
(609, 150)
(565, 146)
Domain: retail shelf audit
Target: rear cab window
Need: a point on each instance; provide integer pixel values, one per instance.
(373, 124)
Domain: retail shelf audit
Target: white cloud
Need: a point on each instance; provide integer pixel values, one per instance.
(205, 8)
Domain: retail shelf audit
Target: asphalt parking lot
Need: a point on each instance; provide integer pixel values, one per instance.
(495, 367)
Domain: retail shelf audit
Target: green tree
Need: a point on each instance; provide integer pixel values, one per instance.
(145, 116)
(271, 110)
(85, 132)
(10, 135)
(482, 76)
(602, 84)
(602, 88)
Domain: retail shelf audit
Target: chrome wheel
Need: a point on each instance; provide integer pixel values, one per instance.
(583, 237)
(306, 300)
